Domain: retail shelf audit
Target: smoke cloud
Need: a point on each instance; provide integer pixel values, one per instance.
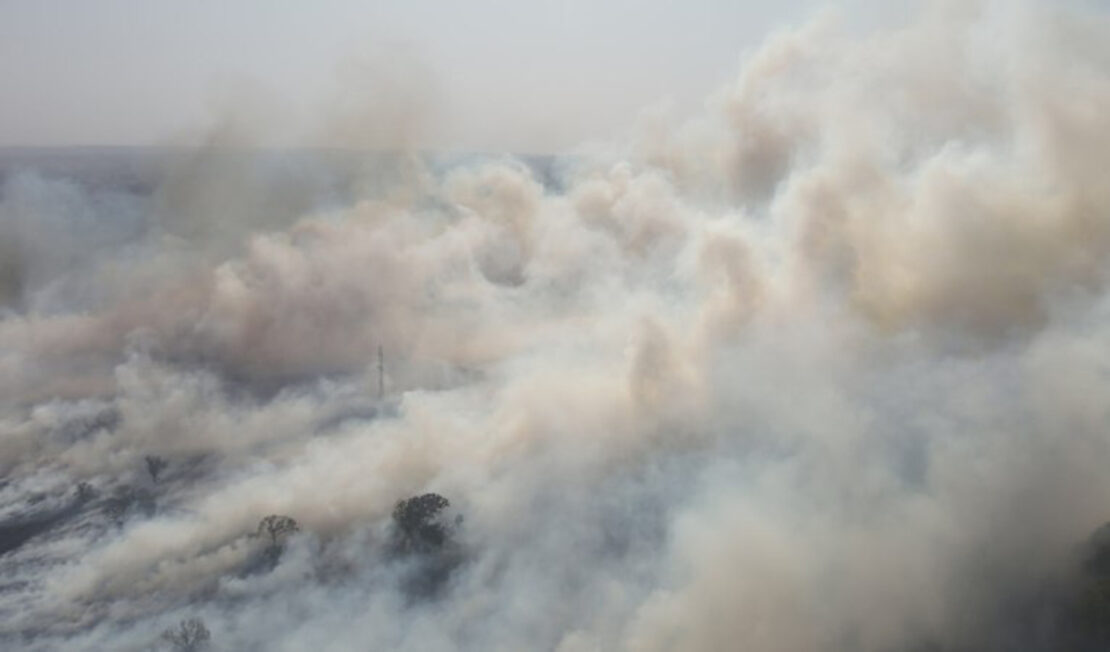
(821, 368)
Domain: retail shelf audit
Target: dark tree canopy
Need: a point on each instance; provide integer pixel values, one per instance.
(419, 523)
(423, 535)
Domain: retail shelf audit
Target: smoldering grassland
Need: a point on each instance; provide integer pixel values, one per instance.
(821, 368)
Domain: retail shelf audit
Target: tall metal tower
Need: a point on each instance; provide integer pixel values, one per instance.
(381, 373)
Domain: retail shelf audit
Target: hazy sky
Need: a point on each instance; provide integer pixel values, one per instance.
(482, 73)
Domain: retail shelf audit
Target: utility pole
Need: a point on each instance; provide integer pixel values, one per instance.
(381, 373)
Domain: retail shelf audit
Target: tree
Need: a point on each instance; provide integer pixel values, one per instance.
(85, 492)
(190, 636)
(154, 466)
(424, 536)
(419, 523)
(277, 528)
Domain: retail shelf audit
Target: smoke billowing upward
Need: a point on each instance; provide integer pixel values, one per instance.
(822, 368)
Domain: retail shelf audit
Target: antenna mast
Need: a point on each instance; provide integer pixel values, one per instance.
(381, 373)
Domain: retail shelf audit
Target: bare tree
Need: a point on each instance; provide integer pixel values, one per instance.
(189, 636)
(277, 527)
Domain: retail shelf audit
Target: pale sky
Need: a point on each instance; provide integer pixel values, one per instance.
(478, 73)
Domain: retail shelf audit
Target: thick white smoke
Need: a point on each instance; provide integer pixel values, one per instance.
(821, 369)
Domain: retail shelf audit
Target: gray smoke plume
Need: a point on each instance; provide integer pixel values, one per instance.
(822, 368)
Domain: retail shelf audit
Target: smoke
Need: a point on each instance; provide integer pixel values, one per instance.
(822, 368)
